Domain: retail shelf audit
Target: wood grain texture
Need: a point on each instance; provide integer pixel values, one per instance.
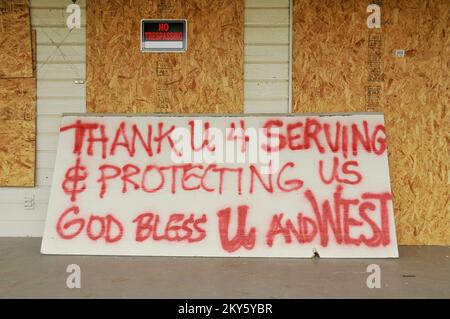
(329, 56)
(208, 78)
(331, 73)
(16, 60)
(18, 131)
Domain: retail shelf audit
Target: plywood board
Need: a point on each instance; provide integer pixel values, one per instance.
(333, 71)
(211, 186)
(18, 128)
(16, 59)
(329, 56)
(208, 78)
(18, 131)
(416, 104)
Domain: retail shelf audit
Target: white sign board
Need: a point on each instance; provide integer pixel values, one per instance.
(253, 186)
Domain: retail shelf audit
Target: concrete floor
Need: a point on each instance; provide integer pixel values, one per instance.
(420, 272)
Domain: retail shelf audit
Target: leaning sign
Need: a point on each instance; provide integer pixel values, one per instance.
(250, 186)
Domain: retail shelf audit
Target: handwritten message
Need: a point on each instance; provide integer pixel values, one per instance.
(256, 186)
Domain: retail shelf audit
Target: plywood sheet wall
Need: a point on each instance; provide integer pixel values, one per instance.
(18, 131)
(332, 71)
(15, 40)
(17, 95)
(208, 78)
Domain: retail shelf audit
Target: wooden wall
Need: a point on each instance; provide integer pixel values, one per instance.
(17, 95)
(266, 52)
(334, 64)
(266, 56)
(208, 78)
(15, 39)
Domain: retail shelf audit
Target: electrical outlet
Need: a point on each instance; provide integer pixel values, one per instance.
(28, 202)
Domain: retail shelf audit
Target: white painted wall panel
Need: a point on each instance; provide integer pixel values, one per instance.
(59, 88)
(266, 4)
(266, 71)
(47, 106)
(15, 195)
(45, 159)
(266, 53)
(48, 123)
(266, 61)
(266, 17)
(22, 228)
(266, 35)
(66, 53)
(263, 90)
(62, 71)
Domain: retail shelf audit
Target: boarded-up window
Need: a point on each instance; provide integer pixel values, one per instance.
(208, 78)
(17, 95)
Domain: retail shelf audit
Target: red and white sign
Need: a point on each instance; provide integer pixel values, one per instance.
(163, 35)
(253, 186)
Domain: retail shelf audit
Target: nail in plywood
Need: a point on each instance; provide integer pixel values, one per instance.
(16, 60)
(331, 73)
(207, 78)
